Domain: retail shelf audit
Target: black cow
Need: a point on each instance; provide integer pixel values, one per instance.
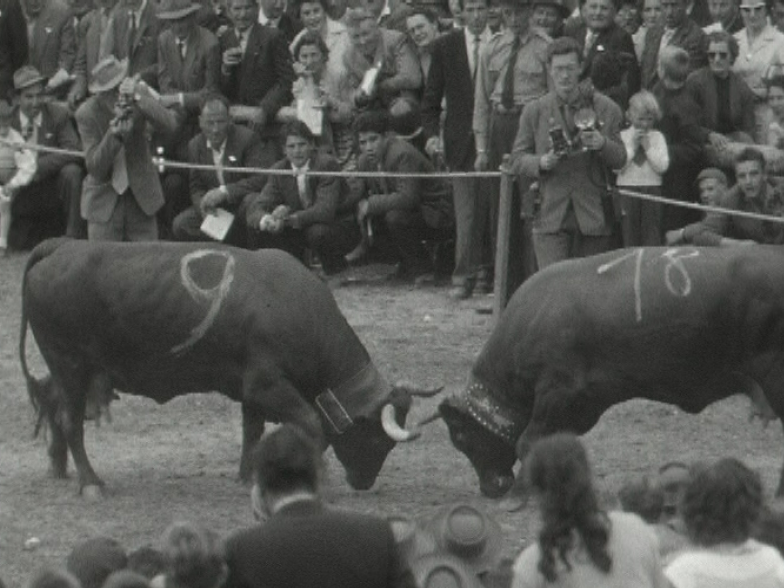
(163, 319)
(684, 326)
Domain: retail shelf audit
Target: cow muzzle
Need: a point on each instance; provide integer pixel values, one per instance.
(495, 485)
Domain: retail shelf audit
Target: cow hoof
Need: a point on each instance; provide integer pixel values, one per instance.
(514, 503)
(92, 492)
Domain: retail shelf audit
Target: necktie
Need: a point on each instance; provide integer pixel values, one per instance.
(475, 65)
(590, 39)
(242, 37)
(29, 132)
(507, 93)
(120, 173)
(217, 157)
(131, 32)
(302, 188)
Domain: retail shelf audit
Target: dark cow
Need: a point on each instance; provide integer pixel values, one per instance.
(684, 326)
(162, 319)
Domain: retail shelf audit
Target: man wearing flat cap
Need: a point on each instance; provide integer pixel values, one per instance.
(49, 205)
(122, 192)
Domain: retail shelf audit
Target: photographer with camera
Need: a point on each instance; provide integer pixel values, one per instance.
(568, 140)
(122, 191)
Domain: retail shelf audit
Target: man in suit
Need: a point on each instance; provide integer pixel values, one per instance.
(304, 544)
(256, 71)
(13, 44)
(225, 145)
(133, 35)
(91, 31)
(275, 14)
(598, 34)
(51, 200)
(303, 210)
(52, 41)
(122, 191)
(576, 215)
(677, 30)
(451, 84)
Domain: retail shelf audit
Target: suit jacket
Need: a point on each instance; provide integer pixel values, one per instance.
(305, 545)
(265, 74)
(289, 26)
(243, 149)
(100, 148)
(688, 36)
(450, 79)
(701, 86)
(89, 40)
(195, 76)
(13, 43)
(53, 44)
(579, 178)
(56, 130)
(142, 50)
(613, 39)
(327, 194)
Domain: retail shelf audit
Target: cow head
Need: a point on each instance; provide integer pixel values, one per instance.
(489, 449)
(364, 419)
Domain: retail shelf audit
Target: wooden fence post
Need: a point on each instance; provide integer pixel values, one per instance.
(503, 239)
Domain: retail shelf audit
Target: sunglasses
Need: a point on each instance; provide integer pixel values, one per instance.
(718, 55)
(755, 8)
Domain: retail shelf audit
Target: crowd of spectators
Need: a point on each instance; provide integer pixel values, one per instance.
(684, 526)
(574, 100)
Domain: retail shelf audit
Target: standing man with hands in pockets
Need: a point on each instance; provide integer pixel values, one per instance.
(575, 219)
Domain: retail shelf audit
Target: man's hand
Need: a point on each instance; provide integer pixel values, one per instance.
(592, 140)
(360, 98)
(433, 146)
(58, 79)
(128, 86)
(718, 141)
(168, 100)
(506, 166)
(270, 224)
(211, 200)
(281, 212)
(232, 57)
(549, 160)
(673, 237)
(121, 127)
(258, 123)
(481, 161)
(75, 96)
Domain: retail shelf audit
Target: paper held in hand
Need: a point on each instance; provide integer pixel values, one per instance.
(217, 225)
(240, 113)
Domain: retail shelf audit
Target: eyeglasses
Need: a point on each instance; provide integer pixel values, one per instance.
(718, 55)
(755, 8)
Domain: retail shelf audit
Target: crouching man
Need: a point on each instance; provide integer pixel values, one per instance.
(408, 209)
(304, 210)
(225, 145)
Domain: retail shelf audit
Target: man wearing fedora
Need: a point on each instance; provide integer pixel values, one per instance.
(13, 44)
(50, 203)
(122, 192)
(133, 35)
(303, 543)
(188, 72)
(257, 71)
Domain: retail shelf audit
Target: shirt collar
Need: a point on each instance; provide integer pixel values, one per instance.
(268, 22)
(483, 36)
(24, 120)
(386, 11)
(222, 147)
(302, 169)
(138, 13)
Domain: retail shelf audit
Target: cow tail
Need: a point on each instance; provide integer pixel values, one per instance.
(37, 390)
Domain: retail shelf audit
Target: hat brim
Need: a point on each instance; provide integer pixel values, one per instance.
(177, 14)
(96, 88)
(423, 568)
(30, 83)
(481, 562)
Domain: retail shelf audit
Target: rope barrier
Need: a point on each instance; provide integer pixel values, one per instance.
(162, 162)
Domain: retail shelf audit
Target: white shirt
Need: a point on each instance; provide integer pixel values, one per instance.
(137, 14)
(37, 122)
(657, 160)
(484, 36)
(301, 182)
(217, 160)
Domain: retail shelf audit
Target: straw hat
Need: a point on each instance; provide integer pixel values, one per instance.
(442, 570)
(469, 534)
(27, 76)
(412, 540)
(176, 9)
(108, 74)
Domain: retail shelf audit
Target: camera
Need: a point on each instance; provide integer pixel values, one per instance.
(561, 145)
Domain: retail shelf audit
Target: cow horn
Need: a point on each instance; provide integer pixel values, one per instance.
(432, 417)
(412, 390)
(391, 428)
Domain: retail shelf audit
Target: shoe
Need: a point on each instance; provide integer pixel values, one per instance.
(461, 292)
(358, 254)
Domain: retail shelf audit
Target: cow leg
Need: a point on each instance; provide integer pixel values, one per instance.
(266, 393)
(252, 430)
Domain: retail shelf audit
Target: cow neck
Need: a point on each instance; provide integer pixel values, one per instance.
(364, 393)
(483, 406)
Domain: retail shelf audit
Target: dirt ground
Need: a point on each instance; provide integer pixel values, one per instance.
(179, 461)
